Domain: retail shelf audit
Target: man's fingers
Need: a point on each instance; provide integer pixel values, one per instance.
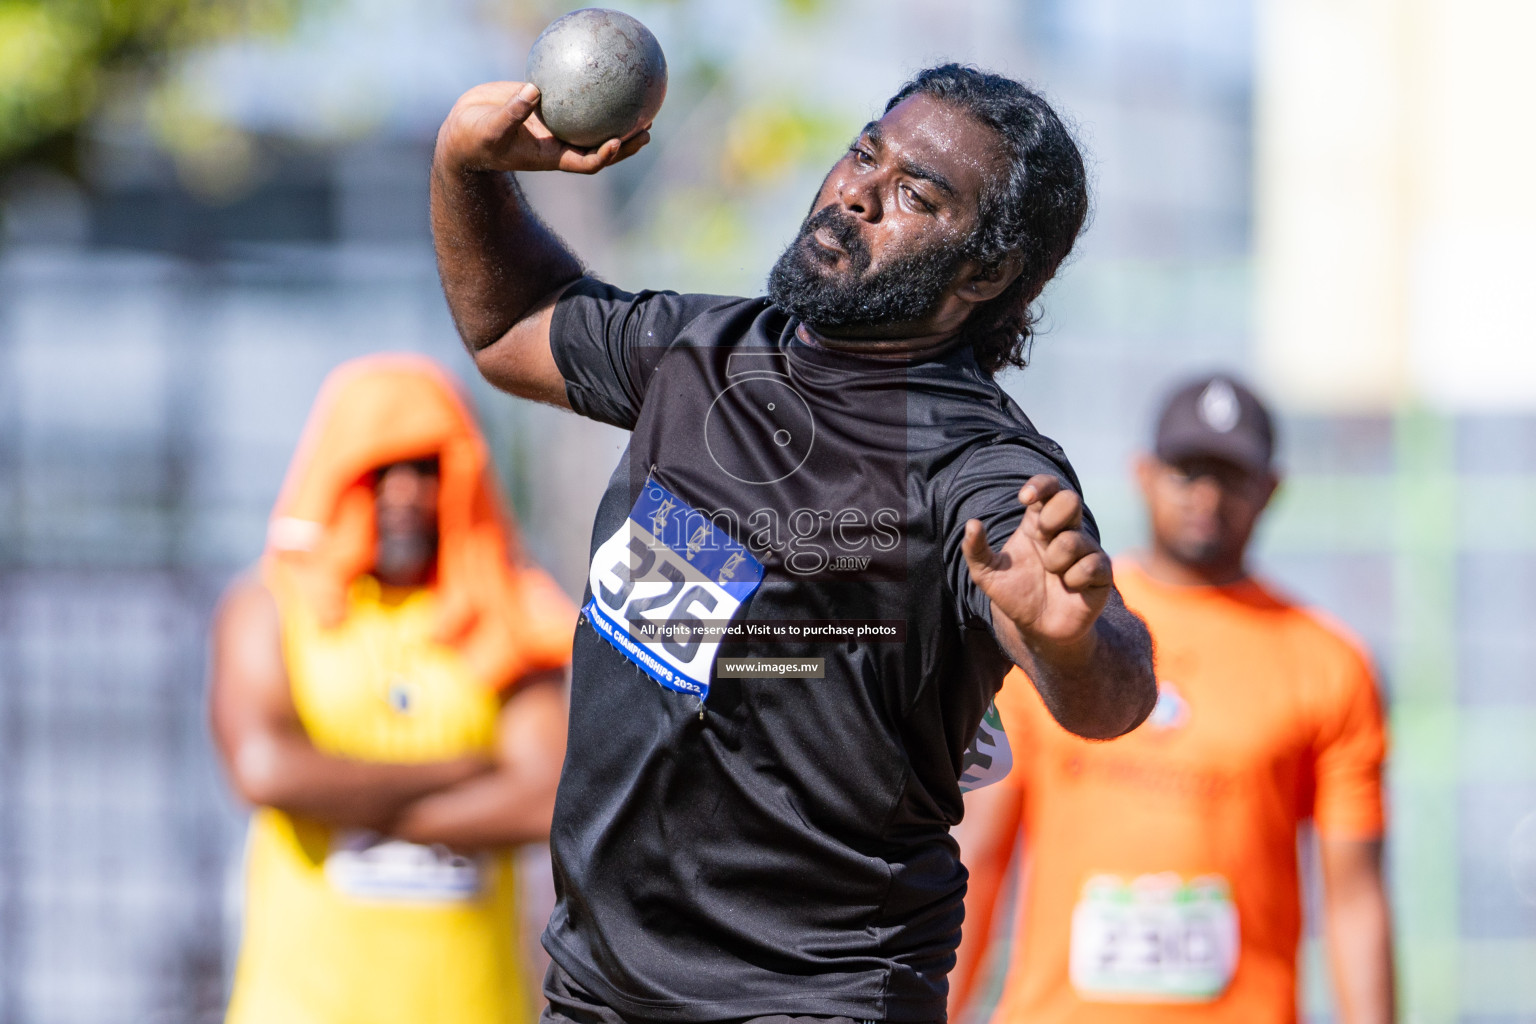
(514, 112)
(492, 94)
(588, 161)
(608, 152)
(1089, 573)
(979, 555)
(1039, 488)
(1064, 511)
(1066, 549)
(615, 150)
(497, 126)
(631, 146)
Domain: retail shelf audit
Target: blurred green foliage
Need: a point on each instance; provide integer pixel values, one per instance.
(764, 142)
(804, 8)
(60, 59)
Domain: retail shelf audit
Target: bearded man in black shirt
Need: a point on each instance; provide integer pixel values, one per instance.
(729, 846)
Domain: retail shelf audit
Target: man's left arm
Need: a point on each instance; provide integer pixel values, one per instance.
(1056, 613)
(1350, 818)
(514, 802)
(1359, 929)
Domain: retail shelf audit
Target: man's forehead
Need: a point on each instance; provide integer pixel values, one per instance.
(1196, 465)
(943, 135)
(426, 465)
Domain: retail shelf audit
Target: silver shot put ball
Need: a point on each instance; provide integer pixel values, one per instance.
(601, 75)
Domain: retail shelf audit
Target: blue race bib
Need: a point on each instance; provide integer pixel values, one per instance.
(666, 571)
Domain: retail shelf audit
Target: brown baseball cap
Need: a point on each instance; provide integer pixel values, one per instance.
(1216, 417)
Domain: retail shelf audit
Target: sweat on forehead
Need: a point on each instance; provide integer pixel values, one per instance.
(939, 139)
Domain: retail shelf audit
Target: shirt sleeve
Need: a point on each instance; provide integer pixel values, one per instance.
(548, 620)
(987, 488)
(1351, 751)
(607, 343)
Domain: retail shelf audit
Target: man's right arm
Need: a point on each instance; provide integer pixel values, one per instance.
(502, 268)
(266, 752)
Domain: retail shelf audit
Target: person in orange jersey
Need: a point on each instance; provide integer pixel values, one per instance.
(388, 691)
(1159, 874)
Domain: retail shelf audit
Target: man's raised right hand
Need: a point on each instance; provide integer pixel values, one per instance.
(493, 127)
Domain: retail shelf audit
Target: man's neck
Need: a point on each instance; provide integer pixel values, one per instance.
(403, 580)
(897, 349)
(1164, 567)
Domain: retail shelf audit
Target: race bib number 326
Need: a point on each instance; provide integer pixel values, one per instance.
(663, 574)
(1155, 939)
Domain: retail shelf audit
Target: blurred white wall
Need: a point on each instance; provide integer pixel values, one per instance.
(1395, 207)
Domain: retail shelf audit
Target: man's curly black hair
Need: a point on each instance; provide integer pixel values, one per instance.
(1037, 210)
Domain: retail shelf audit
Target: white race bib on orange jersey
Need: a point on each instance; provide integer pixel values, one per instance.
(1155, 939)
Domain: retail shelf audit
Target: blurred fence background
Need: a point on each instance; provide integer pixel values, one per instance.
(224, 215)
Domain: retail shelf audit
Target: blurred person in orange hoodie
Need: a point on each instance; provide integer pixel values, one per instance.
(388, 691)
(1159, 877)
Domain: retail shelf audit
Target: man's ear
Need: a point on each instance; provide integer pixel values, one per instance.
(985, 285)
(1146, 467)
(1272, 483)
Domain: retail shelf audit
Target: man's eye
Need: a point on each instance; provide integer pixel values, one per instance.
(922, 203)
(862, 155)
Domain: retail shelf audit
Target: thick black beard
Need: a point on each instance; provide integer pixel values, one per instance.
(404, 558)
(906, 290)
(1211, 553)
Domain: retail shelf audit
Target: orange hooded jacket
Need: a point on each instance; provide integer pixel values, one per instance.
(506, 618)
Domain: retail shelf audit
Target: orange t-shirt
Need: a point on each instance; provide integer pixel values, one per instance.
(1160, 868)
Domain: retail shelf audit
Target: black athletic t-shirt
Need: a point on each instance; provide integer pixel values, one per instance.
(782, 845)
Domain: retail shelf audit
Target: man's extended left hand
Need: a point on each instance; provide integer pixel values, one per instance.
(1051, 578)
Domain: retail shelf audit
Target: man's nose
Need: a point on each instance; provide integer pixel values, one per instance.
(860, 196)
(402, 486)
(1205, 494)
